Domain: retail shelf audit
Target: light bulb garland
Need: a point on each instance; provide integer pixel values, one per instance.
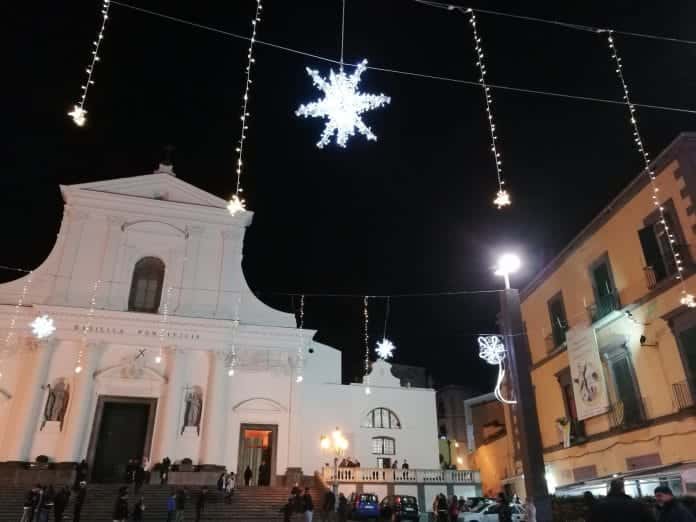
(492, 350)
(164, 319)
(237, 203)
(300, 350)
(385, 348)
(366, 338)
(686, 299)
(87, 327)
(13, 321)
(502, 198)
(79, 113)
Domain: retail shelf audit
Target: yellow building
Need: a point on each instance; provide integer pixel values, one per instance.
(617, 277)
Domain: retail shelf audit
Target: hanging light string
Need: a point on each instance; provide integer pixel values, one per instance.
(300, 348)
(413, 74)
(237, 203)
(366, 338)
(13, 321)
(79, 113)
(386, 317)
(385, 347)
(686, 298)
(343, 30)
(502, 198)
(88, 326)
(164, 319)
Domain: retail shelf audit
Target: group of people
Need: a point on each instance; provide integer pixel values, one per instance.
(226, 483)
(42, 501)
(617, 505)
(298, 502)
(349, 462)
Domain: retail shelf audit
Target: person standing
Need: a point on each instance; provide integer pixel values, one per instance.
(619, 506)
(404, 465)
(229, 486)
(670, 509)
(530, 509)
(171, 507)
(164, 470)
(139, 510)
(328, 506)
(288, 509)
(342, 507)
(454, 509)
(307, 506)
(61, 502)
(180, 505)
(221, 482)
(31, 503)
(441, 508)
(79, 501)
(247, 475)
(47, 503)
(200, 503)
(139, 479)
(504, 510)
(81, 473)
(263, 471)
(395, 465)
(121, 506)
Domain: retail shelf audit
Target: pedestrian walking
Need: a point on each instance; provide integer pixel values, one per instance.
(121, 506)
(454, 509)
(328, 506)
(79, 501)
(504, 510)
(139, 510)
(670, 509)
(308, 506)
(288, 509)
(47, 503)
(440, 508)
(229, 486)
(60, 503)
(617, 506)
(247, 476)
(342, 510)
(180, 505)
(171, 507)
(139, 478)
(221, 481)
(31, 504)
(200, 503)
(164, 470)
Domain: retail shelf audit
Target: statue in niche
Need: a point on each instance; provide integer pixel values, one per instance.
(56, 403)
(194, 407)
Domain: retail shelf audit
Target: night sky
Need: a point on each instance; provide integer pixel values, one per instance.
(410, 213)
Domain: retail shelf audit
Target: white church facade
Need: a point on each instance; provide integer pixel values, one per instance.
(162, 350)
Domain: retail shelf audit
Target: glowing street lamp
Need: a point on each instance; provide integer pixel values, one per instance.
(337, 444)
(507, 264)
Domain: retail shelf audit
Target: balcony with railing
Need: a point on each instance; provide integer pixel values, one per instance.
(604, 306)
(399, 476)
(655, 275)
(627, 413)
(682, 396)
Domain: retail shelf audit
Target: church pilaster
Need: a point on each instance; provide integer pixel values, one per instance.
(215, 412)
(169, 416)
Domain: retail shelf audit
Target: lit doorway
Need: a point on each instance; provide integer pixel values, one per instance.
(257, 452)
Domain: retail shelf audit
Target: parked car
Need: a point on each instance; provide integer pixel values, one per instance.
(489, 513)
(397, 508)
(363, 506)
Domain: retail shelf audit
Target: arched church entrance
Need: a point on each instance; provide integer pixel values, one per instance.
(258, 445)
(122, 431)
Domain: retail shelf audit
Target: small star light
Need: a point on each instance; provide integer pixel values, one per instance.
(236, 204)
(342, 105)
(688, 300)
(42, 326)
(502, 199)
(384, 349)
(78, 116)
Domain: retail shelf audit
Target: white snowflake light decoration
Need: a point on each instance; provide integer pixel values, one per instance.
(42, 327)
(384, 349)
(502, 199)
(492, 350)
(688, 300)
(342, 105)
(236, 205)
(78, 114)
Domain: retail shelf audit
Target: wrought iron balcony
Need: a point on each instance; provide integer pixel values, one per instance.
(604, 306)
(627, 413)
(682, 396)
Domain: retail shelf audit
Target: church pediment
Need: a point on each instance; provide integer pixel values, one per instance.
(130, 369)
(161, 185)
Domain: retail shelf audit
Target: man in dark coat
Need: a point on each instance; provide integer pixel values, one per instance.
(617, 506)
(61, 502)
(328, 506)
(247, 475)
(121, 507)
(180, 505)
(342, 507)
(670, 509)
(200, 503)
(31, 504)
(81, 473)
(139, 478)
(504, 511)
(79, 501)
(288, 509)
(164, 470)
(307, 505)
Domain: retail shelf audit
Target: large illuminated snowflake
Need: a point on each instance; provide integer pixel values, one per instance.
(385, 349)
(342, 105)
(42, 326)
(492, 350)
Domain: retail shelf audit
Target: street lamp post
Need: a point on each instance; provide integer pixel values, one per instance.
(520, 364)
(336, 444)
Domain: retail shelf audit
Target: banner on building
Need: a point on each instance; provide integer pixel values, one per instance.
(589, 386)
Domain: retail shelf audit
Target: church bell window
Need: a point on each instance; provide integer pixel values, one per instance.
(146, 287)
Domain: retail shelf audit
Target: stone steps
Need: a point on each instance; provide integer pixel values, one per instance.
(257, 503)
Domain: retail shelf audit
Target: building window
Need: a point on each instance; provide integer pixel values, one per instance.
(606, 295)
(577, 427)
(559, 323)
(683, 325)
(627, 406)
(382, 418)
(383, 446)
(146, 286)
(655, 243)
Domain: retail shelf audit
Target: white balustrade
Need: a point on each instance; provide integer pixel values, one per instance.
(400, 476)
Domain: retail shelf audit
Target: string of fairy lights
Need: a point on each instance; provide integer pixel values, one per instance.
(366, 338)
(502, 197)
(299, 366)
(79, 113)
(237, 203)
